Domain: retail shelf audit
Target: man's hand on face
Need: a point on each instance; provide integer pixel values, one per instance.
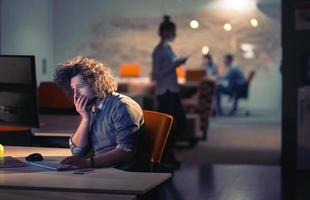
(80, 103)
(76, 161)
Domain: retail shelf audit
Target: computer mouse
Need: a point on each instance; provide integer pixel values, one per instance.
(34, 157)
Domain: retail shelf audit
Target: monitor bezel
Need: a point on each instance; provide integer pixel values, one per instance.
(34, 85)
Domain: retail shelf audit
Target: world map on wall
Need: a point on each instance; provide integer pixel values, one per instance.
(122, 40)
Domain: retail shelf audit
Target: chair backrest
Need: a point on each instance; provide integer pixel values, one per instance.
(250, 77)
(52, 97)
(180, 72)
(244, 91)
(129, 70)
(6, 128)
(157, 126)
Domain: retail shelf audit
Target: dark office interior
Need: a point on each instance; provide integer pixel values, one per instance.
(258, 150)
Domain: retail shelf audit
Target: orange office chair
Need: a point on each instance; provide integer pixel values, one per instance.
(52, 99)
(129, 70)
(181, 72)
(157, 126)
(6, 128)
(15, 135)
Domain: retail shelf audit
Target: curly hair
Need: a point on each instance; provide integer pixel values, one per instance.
(96, 74)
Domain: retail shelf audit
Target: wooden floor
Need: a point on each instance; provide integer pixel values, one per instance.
(238, 140)
(236, 182)
(224, 182)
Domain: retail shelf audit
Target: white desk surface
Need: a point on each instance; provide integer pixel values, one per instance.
(20, 151)
(53, 195)
(105, 180)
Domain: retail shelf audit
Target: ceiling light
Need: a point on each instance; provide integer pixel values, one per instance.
(205, 50)
(254, 22)
(227, 27)
(240, 5)
(194, 24)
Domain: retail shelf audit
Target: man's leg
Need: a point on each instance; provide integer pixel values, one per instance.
(235, 106)
(239, 91)
(219, 91)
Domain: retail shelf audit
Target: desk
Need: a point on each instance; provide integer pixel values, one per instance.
(25, 151)
(105, 180)
(57, 125)
(52, 195)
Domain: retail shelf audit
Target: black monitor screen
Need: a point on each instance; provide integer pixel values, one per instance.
(18, 91)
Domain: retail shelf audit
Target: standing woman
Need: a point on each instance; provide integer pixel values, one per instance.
(167, 89)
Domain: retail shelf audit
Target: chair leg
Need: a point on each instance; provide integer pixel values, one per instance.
(235, 106)
(152, 167)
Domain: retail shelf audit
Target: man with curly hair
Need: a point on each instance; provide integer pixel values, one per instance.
(111, 127)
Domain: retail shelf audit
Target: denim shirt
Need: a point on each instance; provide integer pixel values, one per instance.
(234, 77)
(115, 124)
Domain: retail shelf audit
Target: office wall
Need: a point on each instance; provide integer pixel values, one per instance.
(26, 29)
(120, 32)
(85, 26)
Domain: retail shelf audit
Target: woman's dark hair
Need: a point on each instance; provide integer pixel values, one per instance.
(166, 25)
(209, 57)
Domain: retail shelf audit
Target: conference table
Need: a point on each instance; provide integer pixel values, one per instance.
(107, 183)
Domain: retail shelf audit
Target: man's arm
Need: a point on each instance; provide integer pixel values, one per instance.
(103, 159)
(79, 140)
(112, 157)
(80, 137)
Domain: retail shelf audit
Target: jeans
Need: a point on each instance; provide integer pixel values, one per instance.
(170, 103)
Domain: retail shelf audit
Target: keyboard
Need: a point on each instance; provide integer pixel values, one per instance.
(52, 165)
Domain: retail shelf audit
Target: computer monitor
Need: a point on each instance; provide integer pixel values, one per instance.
(18, 91)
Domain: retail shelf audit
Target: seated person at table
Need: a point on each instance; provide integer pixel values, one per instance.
(209, 66)
(111, 126)
(232, 83)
